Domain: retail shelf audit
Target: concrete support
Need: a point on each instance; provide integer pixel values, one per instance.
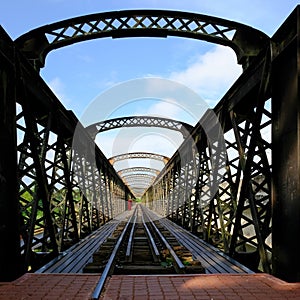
(286, 150)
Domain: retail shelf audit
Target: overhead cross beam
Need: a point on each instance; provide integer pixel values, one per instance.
(139, 155)
(136, 170)
(139, 121)
(246, 41)
(138, 179)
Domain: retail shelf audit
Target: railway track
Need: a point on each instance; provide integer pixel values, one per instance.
(141, 246)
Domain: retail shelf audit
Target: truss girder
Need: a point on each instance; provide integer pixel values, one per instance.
(62, 195)
(235, 217)
(139, 121)
(244, 40)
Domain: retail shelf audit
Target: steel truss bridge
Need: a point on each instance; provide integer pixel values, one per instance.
(236, 186)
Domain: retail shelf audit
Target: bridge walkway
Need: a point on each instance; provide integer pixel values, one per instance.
(164, 287)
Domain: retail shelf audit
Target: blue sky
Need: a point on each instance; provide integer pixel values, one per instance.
(79, 73)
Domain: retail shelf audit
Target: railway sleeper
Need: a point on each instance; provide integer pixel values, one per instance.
(101, 256)
(143, 260)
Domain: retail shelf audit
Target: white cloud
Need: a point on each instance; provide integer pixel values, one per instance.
(210, 74)
(163, 109)
(142, 139)
(58, 88)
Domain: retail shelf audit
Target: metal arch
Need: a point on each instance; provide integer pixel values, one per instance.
(138, 188)
(144, 177)
(144, 184)
(140, 181)
(244, 40)
(138, 169)
(139, 121)
(139, 155)
(138, 192)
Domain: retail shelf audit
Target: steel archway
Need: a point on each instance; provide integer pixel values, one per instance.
(139, 177)
(139, 121)
(138, 183)
(244, 40)
(139, 155)
(138, 170)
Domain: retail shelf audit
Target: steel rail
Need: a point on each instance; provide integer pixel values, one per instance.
(150, 237)
(99, 287)
(177, 260)
(205, 252)
(129, 245)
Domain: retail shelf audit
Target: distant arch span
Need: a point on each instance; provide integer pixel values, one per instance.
(139, 155)
(135, 170)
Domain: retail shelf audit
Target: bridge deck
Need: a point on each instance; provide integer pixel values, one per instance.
(213, 260)
(229, 281)
(74, 259)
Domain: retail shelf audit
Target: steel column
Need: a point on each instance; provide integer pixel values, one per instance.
(286, 150)
(9, 217)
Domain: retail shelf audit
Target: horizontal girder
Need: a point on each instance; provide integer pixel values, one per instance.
(244, 40)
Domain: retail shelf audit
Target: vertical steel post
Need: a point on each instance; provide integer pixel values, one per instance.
(9, 220)
(286, 150)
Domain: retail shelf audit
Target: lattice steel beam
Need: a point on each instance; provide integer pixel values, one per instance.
(143, 178)
(138, 183)
(139, 155)
(244, 40)
(135, 170)
(60, 193)
(139, 121)
(236, 216)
